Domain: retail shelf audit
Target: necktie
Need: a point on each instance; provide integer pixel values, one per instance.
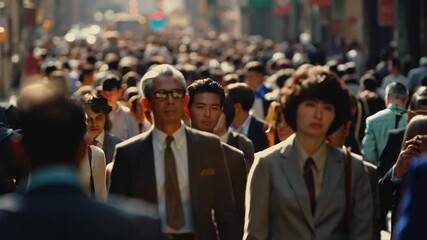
(94, 142)
(174, 211)
(309, 182)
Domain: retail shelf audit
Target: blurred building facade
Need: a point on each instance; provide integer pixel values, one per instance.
(374, 24)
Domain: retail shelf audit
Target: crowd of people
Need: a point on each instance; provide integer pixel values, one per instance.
(179, 135)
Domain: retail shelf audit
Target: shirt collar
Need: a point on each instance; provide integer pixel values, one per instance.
(100, 138)
(159, 137)
(396, 108)
(244, 128)
(224, 137)
(319, 157)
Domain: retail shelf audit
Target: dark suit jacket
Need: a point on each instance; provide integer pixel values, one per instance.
(257, 135)
(237, 170)
(387, 189)
(133, 175)
(109, 146)
(389, 197)
(243, 143)
(59, 211)
(391, 151)
(413, 211)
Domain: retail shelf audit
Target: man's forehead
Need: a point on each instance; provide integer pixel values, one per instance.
(167, 81)
(207, 97)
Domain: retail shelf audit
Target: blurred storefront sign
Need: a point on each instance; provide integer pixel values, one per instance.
(322, 3)
(282, 7)
(260, 3)
(386, 13)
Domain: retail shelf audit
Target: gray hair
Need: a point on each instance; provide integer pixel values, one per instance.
(146, 83)
(396, 90)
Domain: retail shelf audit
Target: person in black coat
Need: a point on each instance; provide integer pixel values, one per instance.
(54, 205)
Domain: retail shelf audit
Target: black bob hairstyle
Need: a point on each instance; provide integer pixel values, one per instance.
(318, 84)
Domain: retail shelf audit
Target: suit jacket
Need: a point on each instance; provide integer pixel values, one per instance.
(256, 134)
(371, 170)
(133, 175)
(63, 211)
(109, 145)
(412, 212)
(391, 151)
(278, 203)
(237, 173)
(389, 197)
(389, 191)
(97, 169)
(243, 143)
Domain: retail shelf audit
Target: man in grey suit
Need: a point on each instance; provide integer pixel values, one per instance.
(182, 171)
(205, 105)
(54, 205)
(296, 189)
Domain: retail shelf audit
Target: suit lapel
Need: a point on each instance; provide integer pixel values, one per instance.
(232, 139)
(145, 169)
(333, 171)
(293, 172)
(194, 167)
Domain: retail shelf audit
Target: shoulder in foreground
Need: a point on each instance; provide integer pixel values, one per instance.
(277, 147)
(133, 206)
(134, 140)
(232, 149)
(201, 134)
(113, 137)
(9, 202)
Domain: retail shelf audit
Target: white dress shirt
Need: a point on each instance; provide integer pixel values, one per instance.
(100, 139)
(179, 148)
(244, 128)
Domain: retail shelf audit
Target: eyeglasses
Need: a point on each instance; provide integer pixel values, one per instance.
(163, 94)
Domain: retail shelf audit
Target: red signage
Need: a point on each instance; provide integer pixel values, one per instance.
(324, 3)
(386, 15)
(282, 7)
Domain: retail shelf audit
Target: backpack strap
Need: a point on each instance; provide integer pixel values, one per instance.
(347, 185)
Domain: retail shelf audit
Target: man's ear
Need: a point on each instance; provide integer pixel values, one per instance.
(146, 103)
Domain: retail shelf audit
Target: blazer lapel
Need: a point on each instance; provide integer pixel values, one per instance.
(293, 172)
(334, 169)
(194, 167)
(232, 139)
(144, 170)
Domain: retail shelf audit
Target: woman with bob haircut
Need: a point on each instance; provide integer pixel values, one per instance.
(99, 125)
(299, 189)
(101, 145)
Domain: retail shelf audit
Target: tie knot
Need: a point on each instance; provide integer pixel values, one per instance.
(309, 163)
(94, 142)
(169, 139)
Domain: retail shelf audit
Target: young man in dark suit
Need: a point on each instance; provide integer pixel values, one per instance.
(232, 138)
(54, 205)
(245, 123)
(205, 106)
(181, 170)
